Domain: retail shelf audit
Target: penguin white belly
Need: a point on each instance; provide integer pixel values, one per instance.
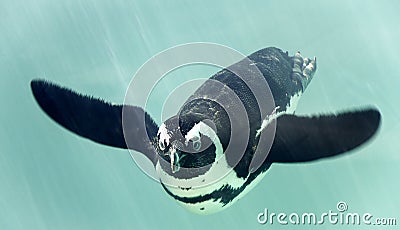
(213, 205)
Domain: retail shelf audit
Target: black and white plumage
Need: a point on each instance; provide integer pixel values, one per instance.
(189, 148)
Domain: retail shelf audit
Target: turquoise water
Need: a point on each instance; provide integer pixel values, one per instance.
(52, 179)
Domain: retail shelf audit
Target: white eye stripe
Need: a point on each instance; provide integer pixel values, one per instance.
(204, 129)
(163, 136)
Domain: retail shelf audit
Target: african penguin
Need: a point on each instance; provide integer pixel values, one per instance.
(190, 148)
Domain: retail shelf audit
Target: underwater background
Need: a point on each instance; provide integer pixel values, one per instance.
(53, 179)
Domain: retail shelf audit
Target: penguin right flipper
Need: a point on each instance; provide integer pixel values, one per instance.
(97, 120)
(302, 139)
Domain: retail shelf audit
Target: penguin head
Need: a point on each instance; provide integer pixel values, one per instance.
(187, 145)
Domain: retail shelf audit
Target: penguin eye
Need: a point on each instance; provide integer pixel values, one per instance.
(197, 145)
(161, 145)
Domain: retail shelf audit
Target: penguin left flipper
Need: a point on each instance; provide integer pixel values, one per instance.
(95, 119)
(302, 139)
